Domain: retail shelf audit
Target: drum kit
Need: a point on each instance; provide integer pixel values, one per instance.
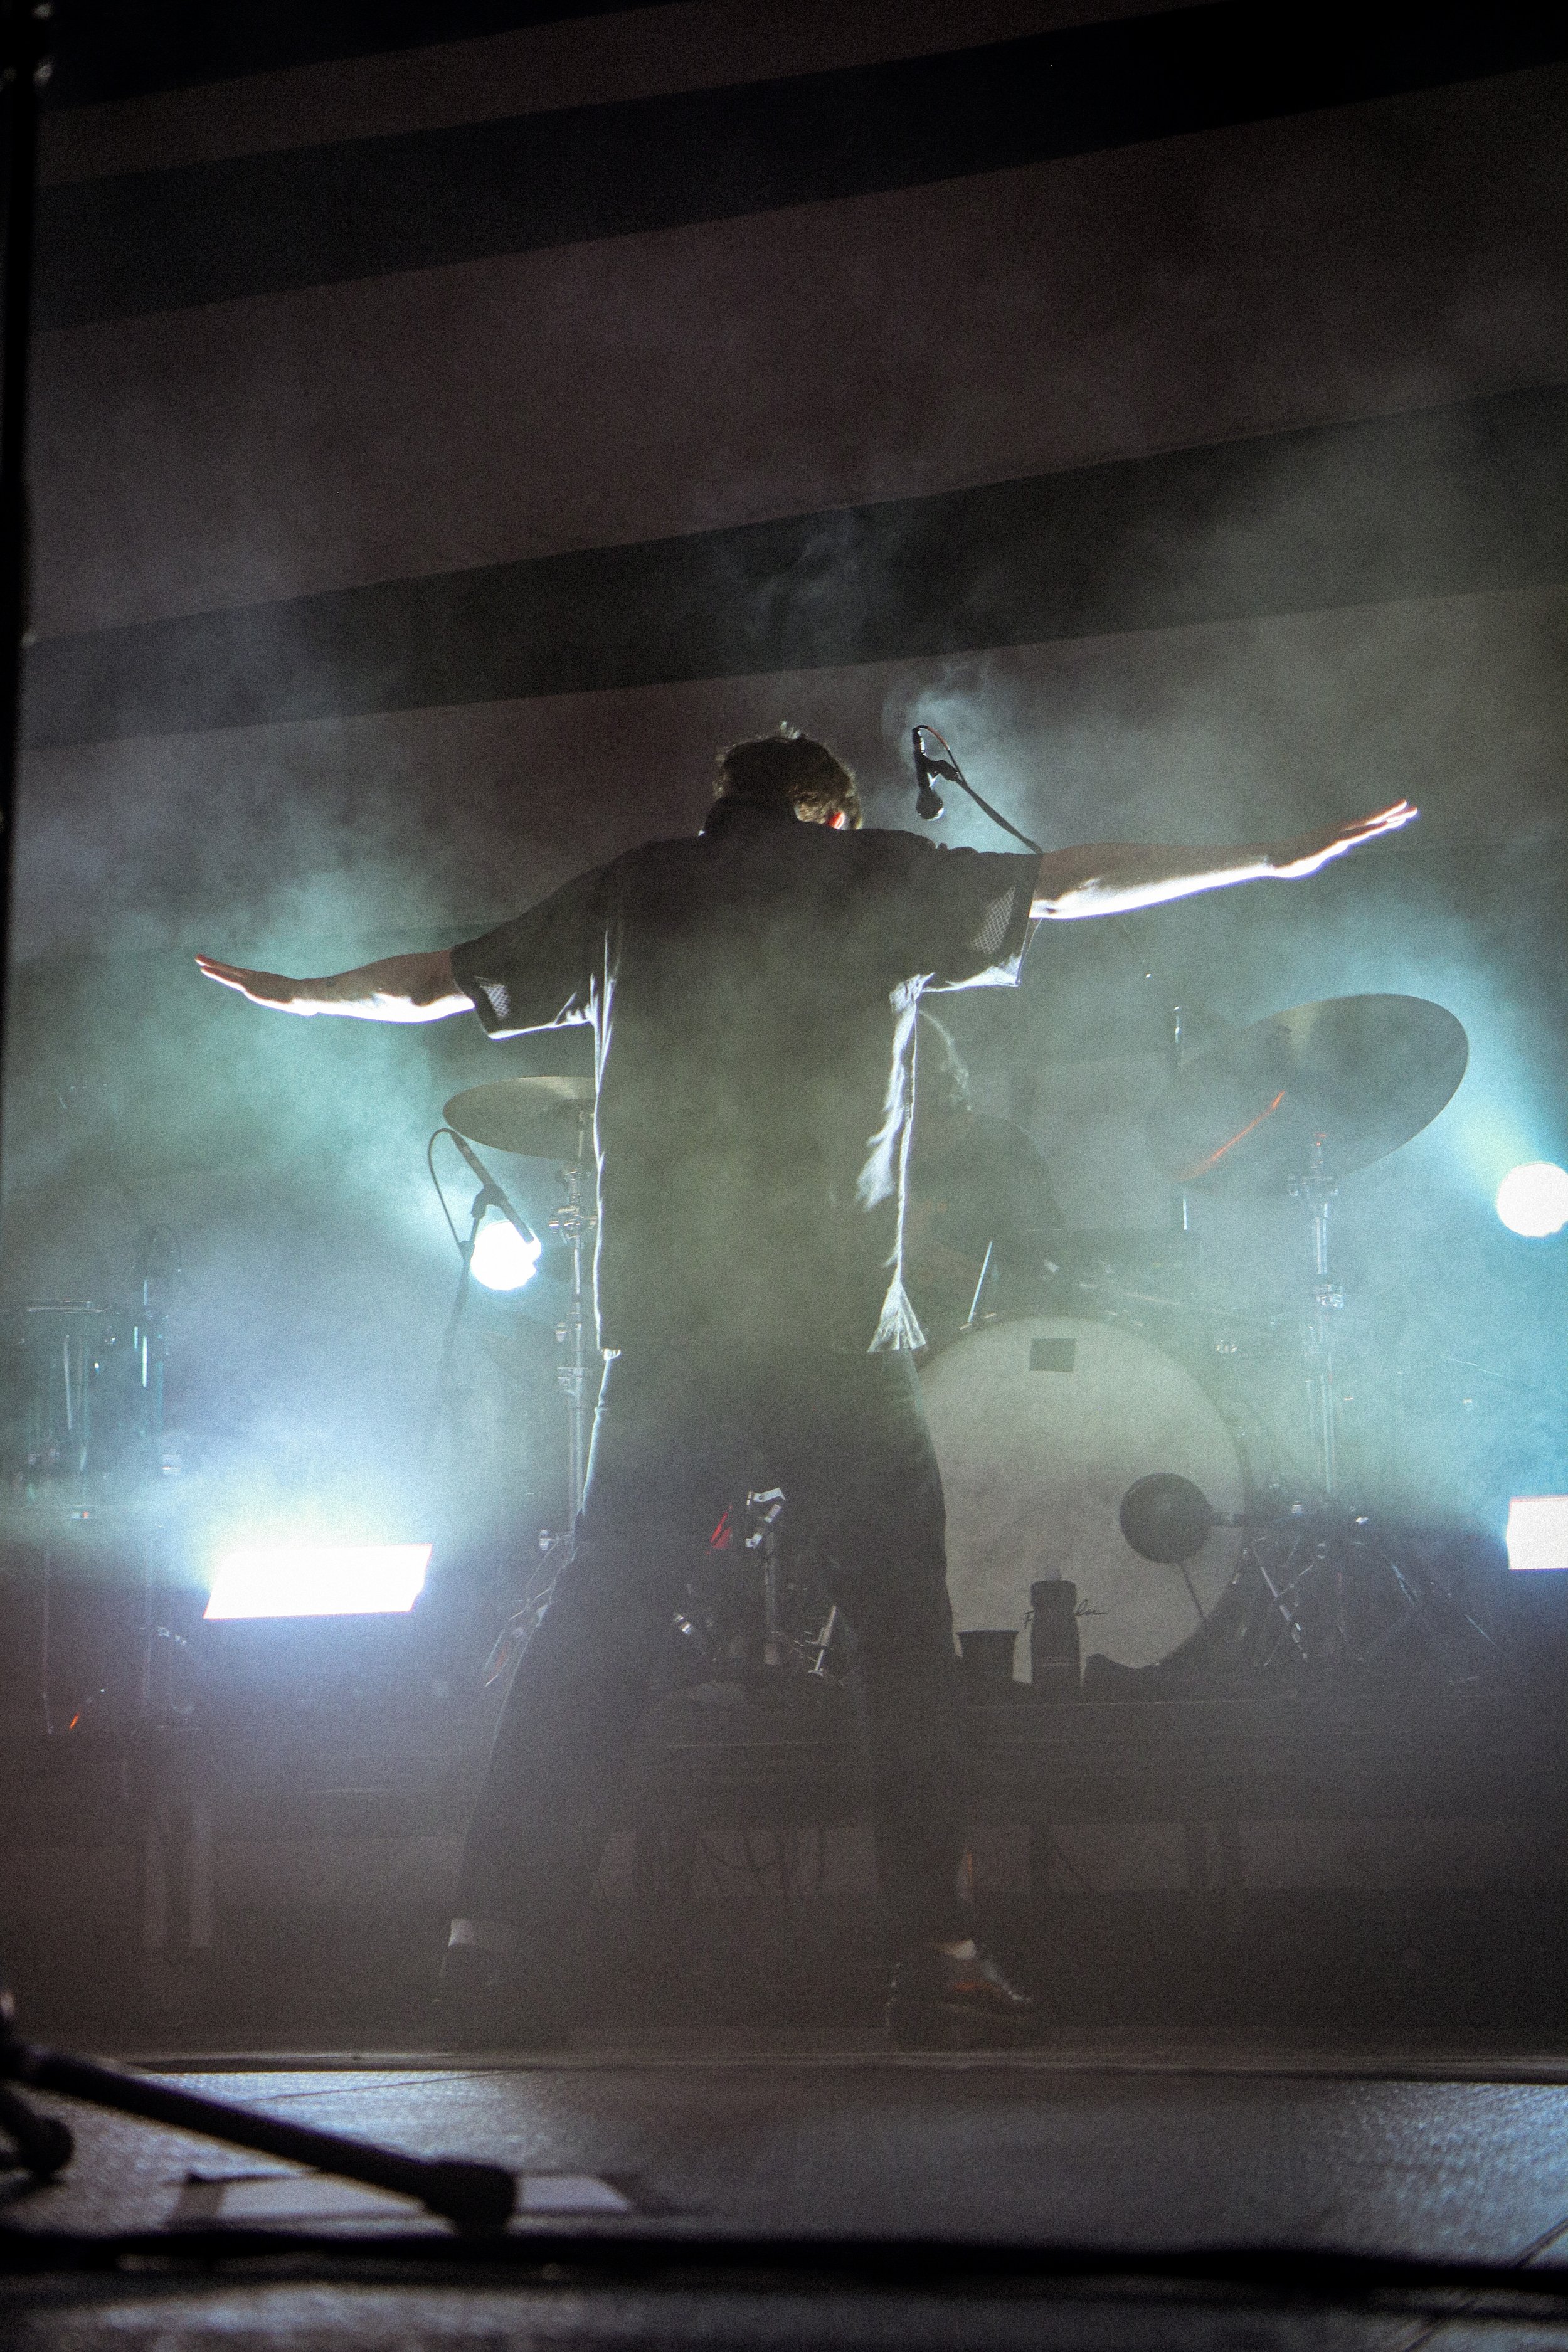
(1074, 1447)
(1078, 1449)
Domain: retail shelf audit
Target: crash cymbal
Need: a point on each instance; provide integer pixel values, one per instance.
(1365, 1073)
(537, 1117)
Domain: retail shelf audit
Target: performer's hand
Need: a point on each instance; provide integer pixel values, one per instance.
(269, 988)
(1293, 859)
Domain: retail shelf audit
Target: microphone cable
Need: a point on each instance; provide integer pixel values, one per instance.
(929, 803)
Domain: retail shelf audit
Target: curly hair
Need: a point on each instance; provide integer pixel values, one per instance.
(789, 769)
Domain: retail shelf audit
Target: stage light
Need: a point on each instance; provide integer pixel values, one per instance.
(1537, 1535)
(502, 1259)
(1534, 1200)
(305, 1579)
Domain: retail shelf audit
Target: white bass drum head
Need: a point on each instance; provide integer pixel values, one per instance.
(1040, 1426)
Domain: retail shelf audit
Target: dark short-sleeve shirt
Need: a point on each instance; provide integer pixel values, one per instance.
(753, 993)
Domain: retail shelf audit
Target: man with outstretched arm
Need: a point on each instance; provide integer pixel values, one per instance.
(753, 993)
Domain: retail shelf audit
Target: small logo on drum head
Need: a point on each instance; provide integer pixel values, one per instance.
(1052, 1355)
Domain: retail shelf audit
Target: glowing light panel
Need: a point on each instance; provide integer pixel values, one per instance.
(1537, 1535)
(1534, 1200)
(319, 1580)
(502, 1259)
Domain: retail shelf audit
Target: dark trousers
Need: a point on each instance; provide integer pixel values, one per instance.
(846, 1438)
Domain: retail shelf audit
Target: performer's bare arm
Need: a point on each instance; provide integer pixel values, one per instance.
(1117, 878)
(398, 988)
(1099, 879)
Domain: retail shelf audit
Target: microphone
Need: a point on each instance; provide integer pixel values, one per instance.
(929, 802)
(497, 1197)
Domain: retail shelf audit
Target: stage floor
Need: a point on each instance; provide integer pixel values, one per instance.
(650, 2167)
(1118, 2143)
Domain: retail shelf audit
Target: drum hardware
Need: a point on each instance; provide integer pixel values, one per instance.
(972, 1317)
(732, 1623)
(1167, 1518)
(550, 1119)
(1146, 1253)
(83, 1397)
(1334, 1593)
(763, 1514)
(513, 1638)
(1316, 1188)
(1293, 1104)
(1117, 1294)
(1338, 1593)
(756, 1611)
(1177, 1052)
(1115, 1272)
(575, 1221)
(796, 1650)
(1055, 1661)
(824, 1642)
(81, 1430)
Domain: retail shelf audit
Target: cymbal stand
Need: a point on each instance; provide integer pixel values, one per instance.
(575, 1221)
(1320, 1566)
(1318, 1189)
(1310, 1546)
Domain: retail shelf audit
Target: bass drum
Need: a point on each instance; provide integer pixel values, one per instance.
(1040, 1426)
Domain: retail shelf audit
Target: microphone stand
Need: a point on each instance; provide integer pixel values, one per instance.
(489, 1196)
(474, 2196)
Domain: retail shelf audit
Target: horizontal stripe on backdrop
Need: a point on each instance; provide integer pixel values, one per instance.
(143, 241)
(1440, 502)
(104, 51)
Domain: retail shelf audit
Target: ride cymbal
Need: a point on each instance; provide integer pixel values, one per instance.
(539, 1118)
(1363, 1073)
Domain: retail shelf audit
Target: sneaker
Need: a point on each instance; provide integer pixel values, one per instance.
(938, 2002)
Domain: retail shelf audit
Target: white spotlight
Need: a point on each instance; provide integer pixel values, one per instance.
(1534, 1200)
(319, 1580)
(1537, 1533)
(502, 1259)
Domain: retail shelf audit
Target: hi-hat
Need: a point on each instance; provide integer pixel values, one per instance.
(1363, 1073)
(541, 1118)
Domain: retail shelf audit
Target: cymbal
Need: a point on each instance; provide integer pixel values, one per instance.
(1365, 1073)
(536, 1117)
